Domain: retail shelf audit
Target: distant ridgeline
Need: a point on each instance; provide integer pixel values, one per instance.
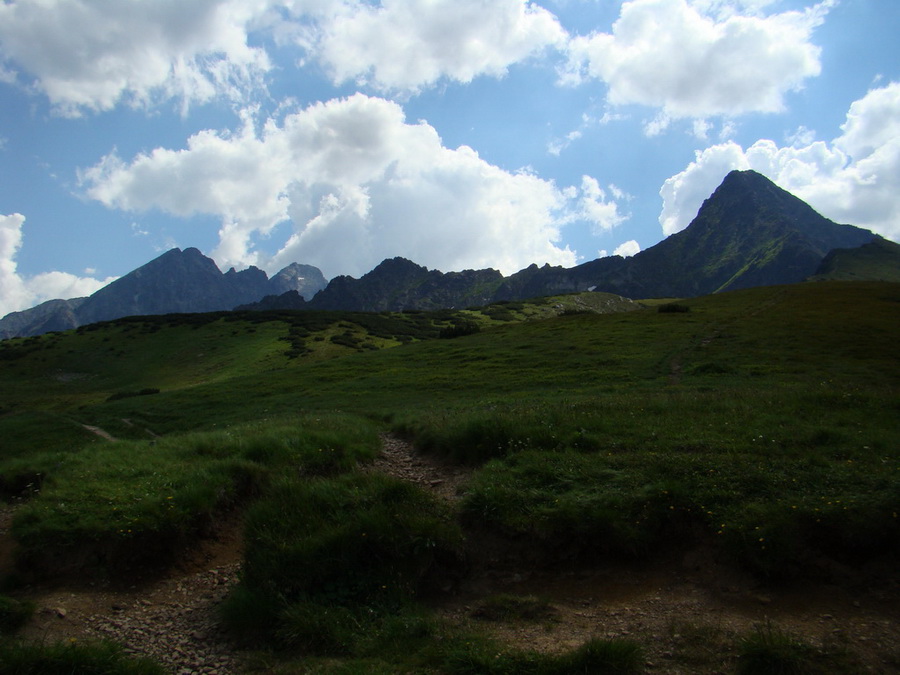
(749, 232)
(175, 282)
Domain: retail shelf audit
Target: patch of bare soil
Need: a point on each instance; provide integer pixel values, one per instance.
(172, 619)
(687, 611)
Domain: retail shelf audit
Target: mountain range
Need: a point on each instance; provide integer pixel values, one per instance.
(749, 232)
(175, 282)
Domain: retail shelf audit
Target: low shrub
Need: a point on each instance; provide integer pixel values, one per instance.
(13, 614)
(673, 308)
(459, 328)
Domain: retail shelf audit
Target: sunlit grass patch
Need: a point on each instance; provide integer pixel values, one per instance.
(133, 503)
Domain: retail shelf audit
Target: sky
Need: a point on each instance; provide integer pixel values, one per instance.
(460, 134)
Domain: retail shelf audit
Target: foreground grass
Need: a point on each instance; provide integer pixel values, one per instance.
(775, 478)
(763, 421)
(18, 658)
(116, 505)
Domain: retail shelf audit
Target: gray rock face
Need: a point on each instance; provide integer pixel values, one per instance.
(49, 316)
(176, 282)
(305, 279)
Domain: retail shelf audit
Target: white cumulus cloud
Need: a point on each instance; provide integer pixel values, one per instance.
(628, 249)
(601, 211)
(94, 54)
(17, 292)
(854, 179)
(345, 184)
(405, 45)
(700, 59)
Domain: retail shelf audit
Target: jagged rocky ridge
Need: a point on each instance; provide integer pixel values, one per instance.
(175, 282)
(749, 232)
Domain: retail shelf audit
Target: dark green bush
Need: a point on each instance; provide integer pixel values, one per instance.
(459, 329)
(148, 391)
(673, 308)
(13, 614)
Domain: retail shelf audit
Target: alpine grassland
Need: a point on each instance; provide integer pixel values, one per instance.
(761, 424)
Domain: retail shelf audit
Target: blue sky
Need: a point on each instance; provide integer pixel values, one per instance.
(457, 133)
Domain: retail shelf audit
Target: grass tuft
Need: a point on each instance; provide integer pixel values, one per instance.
(94, 658)
(360, 543)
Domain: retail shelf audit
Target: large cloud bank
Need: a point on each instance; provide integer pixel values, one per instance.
(94, 54)
(356, 184)
(854, 179)
(688, 58)
(18, 292)
(697, 59)
(90, 55)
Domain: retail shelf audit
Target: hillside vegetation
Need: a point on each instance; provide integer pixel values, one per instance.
(761, 422)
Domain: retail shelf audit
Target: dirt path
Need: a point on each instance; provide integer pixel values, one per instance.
(687, 612)
(172, 620)
(97, 431)
(399, 459)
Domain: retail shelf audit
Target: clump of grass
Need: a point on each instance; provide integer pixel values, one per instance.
(570, 503)
(506, 607)
(700, 644)
(324, 556)
(473, 656)
(320, 630)
(771, 651)
(99, 658)
(117, 505)
(13, 614)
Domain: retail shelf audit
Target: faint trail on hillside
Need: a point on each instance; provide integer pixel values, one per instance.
(97, 431)
(399, 459)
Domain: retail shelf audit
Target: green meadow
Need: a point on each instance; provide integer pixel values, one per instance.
(764, 423)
